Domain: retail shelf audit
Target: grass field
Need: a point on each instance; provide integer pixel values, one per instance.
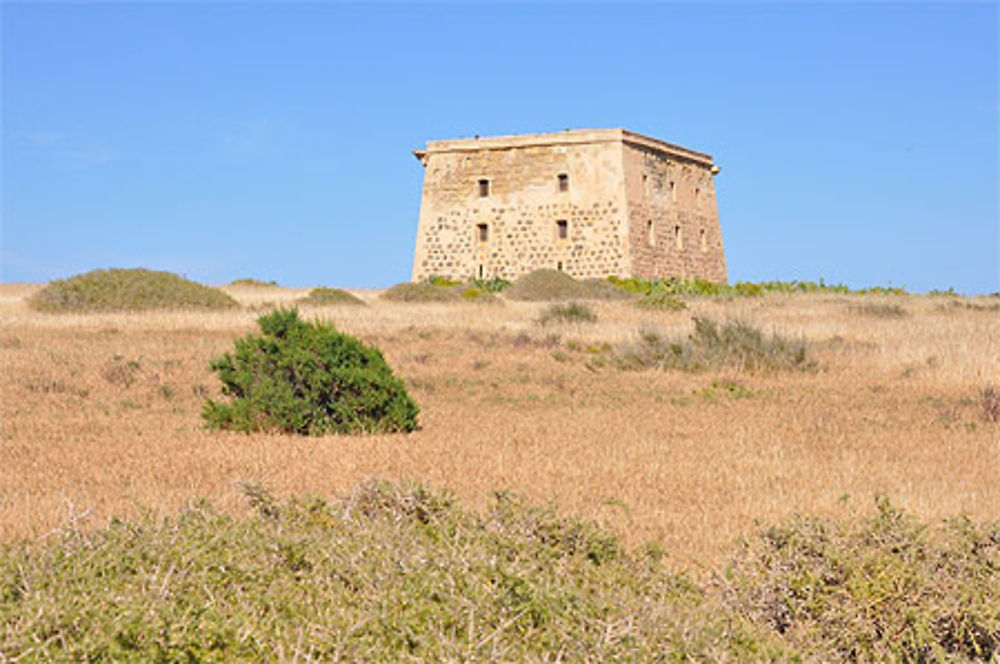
(100, 415)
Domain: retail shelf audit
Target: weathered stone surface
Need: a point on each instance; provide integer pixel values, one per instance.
(632, 206)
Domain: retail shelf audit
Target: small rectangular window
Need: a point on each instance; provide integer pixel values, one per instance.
(559, 265)
(484, 232)
(678, 237)
(481, 272)
(562, 229)
(673, 192)
(563, 182)
(650, 233)
(484, 188)
(703, 237)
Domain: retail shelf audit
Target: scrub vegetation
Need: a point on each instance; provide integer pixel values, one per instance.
(127, 290)
(722, 499)
(391, 573)
(323, 296)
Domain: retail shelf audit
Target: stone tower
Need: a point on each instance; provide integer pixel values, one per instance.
(590, 202)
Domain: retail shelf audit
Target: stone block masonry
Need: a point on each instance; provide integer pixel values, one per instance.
(591, 203)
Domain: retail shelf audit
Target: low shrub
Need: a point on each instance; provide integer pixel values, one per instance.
(734, 344)
(307, 378)
(394, 573)
(660, 301)
(573, 312)
(875, 589)
(553, 285)
(702, 287)
(127, 290)
(255, 283)
(324, 296)
(493, 285)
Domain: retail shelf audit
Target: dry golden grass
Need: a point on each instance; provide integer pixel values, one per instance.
(101, 416)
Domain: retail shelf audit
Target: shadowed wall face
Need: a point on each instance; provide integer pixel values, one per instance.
(590, 203)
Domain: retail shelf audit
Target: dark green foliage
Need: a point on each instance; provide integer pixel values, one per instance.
(876, 589)
(734, 344)
(573, 312)
(307, 378)
(128, 290)
(552, 285)
(323, 296)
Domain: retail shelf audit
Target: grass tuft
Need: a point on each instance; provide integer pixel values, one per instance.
(879, 310)
(573, 312)
(734, 344)
(660, 301)
(127, 290)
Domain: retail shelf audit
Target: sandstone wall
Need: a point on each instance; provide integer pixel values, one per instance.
(522, 211)
(673, 217)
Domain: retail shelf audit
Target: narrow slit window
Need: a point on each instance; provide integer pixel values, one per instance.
(481, 272)
(484, 188)
(559, 265)
(673, 192)
(678, 237)
(697, 194)
(563, 182)
(562, 229)
(703, 238)
(650, 233)
(483, 232)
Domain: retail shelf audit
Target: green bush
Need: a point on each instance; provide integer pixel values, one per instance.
(323, 296)
(494, 285)
(574, 312)
(660, 301)
(127, 290)
(734, 344)
(307, 378)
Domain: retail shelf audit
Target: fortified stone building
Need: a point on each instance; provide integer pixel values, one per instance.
(589, 202)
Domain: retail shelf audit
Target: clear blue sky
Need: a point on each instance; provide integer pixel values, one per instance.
(858, 142)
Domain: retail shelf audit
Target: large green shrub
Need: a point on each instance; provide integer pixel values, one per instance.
(128, 290)
(308, 378)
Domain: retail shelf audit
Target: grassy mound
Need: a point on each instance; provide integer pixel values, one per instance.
(553, 285)
(438, 290)
(128, 290)
(310, 379)
(734, 344)
(402, 573)
(323, 296)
